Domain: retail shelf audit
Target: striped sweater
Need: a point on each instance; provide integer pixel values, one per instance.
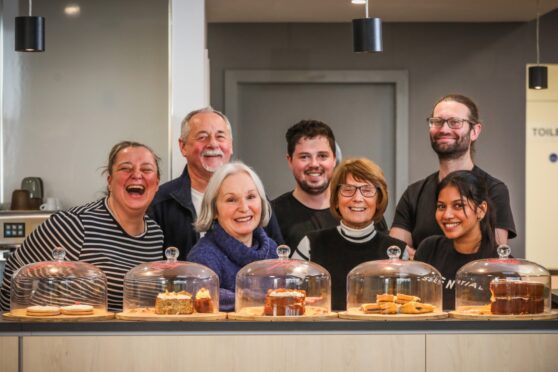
(89, 233)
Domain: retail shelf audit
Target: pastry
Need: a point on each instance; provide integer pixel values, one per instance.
(283, 301)
(77, 309)
(385, 298)
(396, 304)
(413, 307)
(43, 310)
(403, 298)
(203, 302)
(370, 308)
(174, 303)
(389, 308)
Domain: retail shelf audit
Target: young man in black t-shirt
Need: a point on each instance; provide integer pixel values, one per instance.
(311, 158)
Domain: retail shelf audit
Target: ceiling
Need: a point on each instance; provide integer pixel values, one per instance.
(388, 10)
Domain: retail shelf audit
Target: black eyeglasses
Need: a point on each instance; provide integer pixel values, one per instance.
(368, 191)
(453, 123)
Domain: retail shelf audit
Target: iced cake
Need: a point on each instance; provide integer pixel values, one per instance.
(174, 303)
(283, 301)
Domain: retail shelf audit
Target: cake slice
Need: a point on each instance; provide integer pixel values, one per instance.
(174, 303)
(203, 302)
(283, 301)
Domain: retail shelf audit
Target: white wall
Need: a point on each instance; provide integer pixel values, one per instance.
(103, 78)
(541, 181)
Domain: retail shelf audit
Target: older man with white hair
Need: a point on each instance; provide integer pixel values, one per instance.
(206, 143)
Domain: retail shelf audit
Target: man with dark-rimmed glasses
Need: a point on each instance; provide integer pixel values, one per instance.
(454, 127)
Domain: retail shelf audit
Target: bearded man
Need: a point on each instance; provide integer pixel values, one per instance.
(206, 143)
(454, 127)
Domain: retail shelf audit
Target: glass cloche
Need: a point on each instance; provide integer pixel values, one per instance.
(171, 287)
(502, 286)
(394, 286)
(58, 287)
(283, 287)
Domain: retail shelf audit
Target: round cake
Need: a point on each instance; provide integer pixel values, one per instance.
(77, 310)
(38, 310)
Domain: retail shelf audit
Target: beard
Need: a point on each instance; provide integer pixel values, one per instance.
(451, 151)
(312, 189)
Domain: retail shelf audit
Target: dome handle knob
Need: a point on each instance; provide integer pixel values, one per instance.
(171, 253)
(59, 254)
(283, 252)
(394, 252)
(503, 250)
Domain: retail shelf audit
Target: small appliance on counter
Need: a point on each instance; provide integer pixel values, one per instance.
(34, 185)
(15, 226)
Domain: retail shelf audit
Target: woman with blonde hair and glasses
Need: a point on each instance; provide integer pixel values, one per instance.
(359, 197)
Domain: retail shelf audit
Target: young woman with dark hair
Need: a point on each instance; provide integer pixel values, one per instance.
(464, 214)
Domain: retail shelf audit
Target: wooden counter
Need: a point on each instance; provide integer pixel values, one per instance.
(334, 345)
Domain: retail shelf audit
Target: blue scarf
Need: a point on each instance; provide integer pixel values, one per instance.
(262, 247)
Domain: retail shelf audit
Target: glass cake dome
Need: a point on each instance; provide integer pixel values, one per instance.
(394, 286)
(283, 287)
(171, 287)
(502, 286)
(58, 287)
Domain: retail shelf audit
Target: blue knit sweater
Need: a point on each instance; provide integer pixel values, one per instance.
(226, 256)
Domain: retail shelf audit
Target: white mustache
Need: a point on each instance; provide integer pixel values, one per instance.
(213, 152)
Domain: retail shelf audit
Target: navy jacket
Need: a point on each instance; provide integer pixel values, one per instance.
(173, 210)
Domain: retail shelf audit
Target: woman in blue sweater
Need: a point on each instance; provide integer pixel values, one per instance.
(233, 213)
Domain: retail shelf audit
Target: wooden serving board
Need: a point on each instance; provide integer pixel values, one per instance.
(312, 313)
(21, 315)
(473, 316)
(356, 314)
(150, 316)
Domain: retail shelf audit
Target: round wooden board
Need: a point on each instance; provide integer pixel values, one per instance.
(21, 315)
(470, 316)
(255, 313)
(152, 317)
(359, 315)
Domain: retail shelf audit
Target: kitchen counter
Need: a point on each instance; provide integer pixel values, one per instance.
(331, 345)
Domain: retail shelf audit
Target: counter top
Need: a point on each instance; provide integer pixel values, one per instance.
(250, 327)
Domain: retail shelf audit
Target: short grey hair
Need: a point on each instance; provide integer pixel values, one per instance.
(185, 125)
(208, 211)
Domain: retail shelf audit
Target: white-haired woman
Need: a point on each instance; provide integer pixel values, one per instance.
(234, 210)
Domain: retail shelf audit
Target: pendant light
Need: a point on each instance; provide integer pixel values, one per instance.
(30, 33)
(538, 75)
(367, 34)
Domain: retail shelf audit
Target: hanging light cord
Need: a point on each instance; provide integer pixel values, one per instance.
(538, 47)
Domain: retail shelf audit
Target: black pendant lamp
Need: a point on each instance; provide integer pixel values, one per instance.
(367, 33)
(538, 75)
(30, 33)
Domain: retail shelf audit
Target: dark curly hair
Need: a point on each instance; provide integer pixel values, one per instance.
(308, 129)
